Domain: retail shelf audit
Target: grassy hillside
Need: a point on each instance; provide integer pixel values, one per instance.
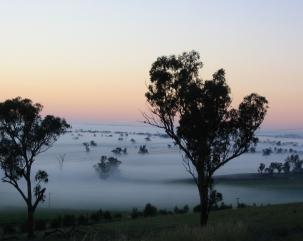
(276, 222)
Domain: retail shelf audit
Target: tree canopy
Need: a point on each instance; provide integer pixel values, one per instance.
(24, 134)
(197, 114)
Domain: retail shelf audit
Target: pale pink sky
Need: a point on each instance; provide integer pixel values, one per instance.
(89, 60)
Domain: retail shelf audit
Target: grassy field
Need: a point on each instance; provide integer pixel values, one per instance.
(270, 223)
(18, 215)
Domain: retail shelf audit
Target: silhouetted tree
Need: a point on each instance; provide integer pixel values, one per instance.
(269, 170)
(296, 163)
(143, 149)
(61, 159)
(24, 134)
(149, 210)
(261, 167)
(276, 166)
(286, 167)
(266, 151)
(197, 115)
(86, 145)
(107, 166)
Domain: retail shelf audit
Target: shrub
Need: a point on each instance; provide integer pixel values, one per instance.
(183, 210)
(163, 212)
(241, 205)
(149, 210)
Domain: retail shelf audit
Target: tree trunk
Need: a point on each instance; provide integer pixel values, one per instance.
(204, 202)
(30, 209)
(30, 222)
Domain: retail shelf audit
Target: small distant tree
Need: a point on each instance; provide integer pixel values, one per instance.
(199, 118)
(296, 163)
(61, 159)
(149, 210)
(266, 151)
(269, 170)
(276, 166)
(24, 134)
(107, 166)
(261, 168)
(86, 146)
(286, 167)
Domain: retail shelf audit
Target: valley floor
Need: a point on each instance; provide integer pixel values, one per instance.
(268, 223)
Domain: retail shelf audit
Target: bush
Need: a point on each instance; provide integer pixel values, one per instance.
(183, 210)
(241, 205)
(221, 207)
(163, 212)
(149, 210)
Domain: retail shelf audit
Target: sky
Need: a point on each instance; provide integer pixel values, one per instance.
(88, 61)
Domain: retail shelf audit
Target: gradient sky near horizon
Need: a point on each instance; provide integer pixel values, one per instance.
(88, 61)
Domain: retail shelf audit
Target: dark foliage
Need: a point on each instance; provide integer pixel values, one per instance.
(143, 149)
(24, 134)
(292, 164)
(107, 166)
(135, 213)
(266, 151)
(149, 210)
(183, 210)
(198, 116)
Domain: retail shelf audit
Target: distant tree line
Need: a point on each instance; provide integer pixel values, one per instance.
(292, 164)
(279, 150)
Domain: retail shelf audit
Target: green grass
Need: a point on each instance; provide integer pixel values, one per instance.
(270, 223)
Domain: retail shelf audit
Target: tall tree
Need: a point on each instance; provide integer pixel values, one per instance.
(199, 118)
(24, 134)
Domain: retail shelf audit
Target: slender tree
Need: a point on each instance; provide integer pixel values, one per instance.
(199, 118)
(24, 134)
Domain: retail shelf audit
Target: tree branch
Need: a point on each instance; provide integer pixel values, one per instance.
(15, 184)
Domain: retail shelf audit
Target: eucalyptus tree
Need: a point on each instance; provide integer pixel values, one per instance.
(198, 116)
(24, 134)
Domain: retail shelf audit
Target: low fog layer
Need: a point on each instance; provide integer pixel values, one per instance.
(158, 176)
